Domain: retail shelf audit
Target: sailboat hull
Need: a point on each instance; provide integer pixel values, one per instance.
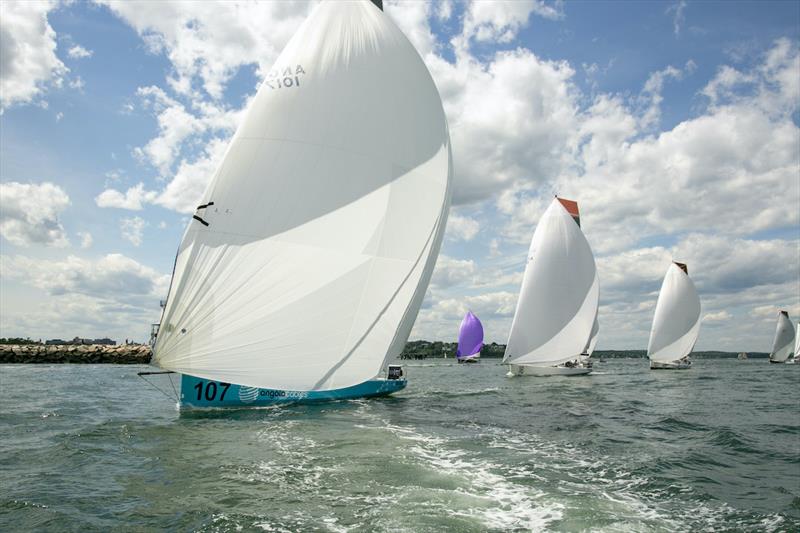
(670, 366)
(199, 393)
(474, 358)
(530, 370)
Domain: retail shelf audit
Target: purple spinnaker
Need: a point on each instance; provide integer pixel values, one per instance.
(470, 336)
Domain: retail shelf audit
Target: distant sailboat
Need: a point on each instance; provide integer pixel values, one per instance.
(558, 300)
(676, 323)
(796, 358)
(784, 339)
(470, 339)
(587, 352)
(742, 356)
(303, 269)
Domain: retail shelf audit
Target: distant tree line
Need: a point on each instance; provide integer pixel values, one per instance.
(438, 350)
(19, 340)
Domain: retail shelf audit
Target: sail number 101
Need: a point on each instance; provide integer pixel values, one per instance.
(210, 390)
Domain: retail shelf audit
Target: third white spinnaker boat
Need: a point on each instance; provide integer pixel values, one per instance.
(302, 271)
(676, 324)
(558, 300)
(783, 343)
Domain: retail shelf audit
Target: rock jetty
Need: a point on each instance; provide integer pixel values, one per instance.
(125, 354)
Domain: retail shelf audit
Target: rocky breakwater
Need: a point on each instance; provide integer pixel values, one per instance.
(125, 354)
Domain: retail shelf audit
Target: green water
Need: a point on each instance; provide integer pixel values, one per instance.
(92, 448)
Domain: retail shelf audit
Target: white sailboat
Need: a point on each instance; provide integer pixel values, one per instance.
(558, 300)
(794, 360)
(676, 323)
(783, 343)
(304, 267)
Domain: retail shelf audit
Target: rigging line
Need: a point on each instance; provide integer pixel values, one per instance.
(156, 388)
(173, 387)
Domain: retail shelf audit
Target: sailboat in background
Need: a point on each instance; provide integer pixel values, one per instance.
(587, 352)
(784, 339)
(676, 324)
(303, 269)
(470, 339)
(794, 360)
(558, 300)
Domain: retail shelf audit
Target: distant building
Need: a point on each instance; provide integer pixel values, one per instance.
(79, 341)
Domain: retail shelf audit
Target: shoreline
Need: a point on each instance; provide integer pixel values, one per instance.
(124, 354)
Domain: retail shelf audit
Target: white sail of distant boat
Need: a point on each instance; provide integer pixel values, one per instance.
(676, 324)
(784, 339)
(589, 349)
(304, 267)
(593, 339)
(558, 299)
(796, 358)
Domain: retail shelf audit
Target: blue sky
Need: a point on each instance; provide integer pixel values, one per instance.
(674, 125)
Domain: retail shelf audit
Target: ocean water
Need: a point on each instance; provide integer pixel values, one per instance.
(717, 448)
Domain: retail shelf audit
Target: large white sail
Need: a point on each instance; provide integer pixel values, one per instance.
(559, 295)
(784, 339)
(306, 264)
(676, 323)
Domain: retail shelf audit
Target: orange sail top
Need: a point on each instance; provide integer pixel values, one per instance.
(572, 209)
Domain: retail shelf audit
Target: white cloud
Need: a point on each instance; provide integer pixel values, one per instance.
(29, 213)
(133, 199)
(86, 239)
(678, 16)
(513, 118)
(450, 272)
(719, 316)
(732, 169)
(206, 42)
(501, 20)
(28, 61)
(461, 228)
(184, 192)
(132, 229)
(113, 295)
(79, 52)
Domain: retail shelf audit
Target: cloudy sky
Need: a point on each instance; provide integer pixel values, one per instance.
(674, 125)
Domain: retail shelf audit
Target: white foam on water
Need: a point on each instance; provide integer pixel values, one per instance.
(634, 504)
(505, 504)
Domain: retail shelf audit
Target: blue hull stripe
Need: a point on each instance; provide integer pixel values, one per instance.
(202, 393)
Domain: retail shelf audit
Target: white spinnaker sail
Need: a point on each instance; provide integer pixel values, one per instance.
(797, 342)
(676, 323)
(784, 338)
(328, 213)
(559, 295)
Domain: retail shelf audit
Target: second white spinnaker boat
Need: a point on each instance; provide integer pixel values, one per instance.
(558, 299)
(783, 343)
(676, 324)
(303, 269)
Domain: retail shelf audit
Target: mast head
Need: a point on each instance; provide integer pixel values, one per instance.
(572, 208)
(783, 313)
(683, 267)
(378, 3)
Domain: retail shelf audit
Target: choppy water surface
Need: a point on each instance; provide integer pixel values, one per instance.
(462, 449)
